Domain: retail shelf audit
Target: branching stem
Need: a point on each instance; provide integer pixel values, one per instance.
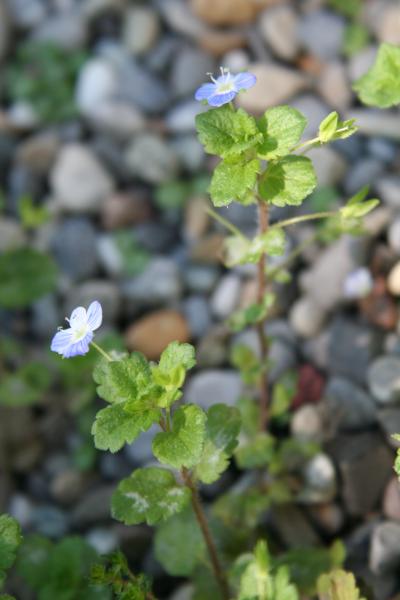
(263, 221)
(302, 218)
(227, 224)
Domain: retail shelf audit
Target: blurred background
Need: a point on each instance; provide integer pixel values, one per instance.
(103, 189)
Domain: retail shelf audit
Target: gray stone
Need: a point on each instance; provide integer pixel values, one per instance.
(74, 247)
(329, 165)
(376, 122)
(140, 452)
(190, 152)
(364, 172)
(388, 26)
(236, 60)
(26, 13)
(21, 508)
(366, 465)
(45, 317)
(385, 548)
(393, 235)
(12, 235)
(387, 188)
(197, 313)
(141, 28)
(382, 149)
(50, 521)
(200, 279)
(94, 507)
(278, 27)
(5, 29)
(348, 405)
(152, 159)
(282, 358)
(321, 33)
(306, 317)
(307, 424)
(105, 292)
(66, 29)
(97, 83)
(320, 480)
(189, 70)
(183, 592)
(160, 283)
(226, 296)
(180, 17)
(334, 87)
(110, 256)
(313, 109)
(384, 379)
(214, 386)
(79, 181)
(361, 62)
(293, 527)
(155, 236)
(352, 347)
(103, 540)
(389, 420)
(181, 118)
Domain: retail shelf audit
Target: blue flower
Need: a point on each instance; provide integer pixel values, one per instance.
(223, 89)
(75, 340)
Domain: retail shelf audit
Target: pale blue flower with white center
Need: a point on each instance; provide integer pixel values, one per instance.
(358, 284)
(223, 89)
(75, 340)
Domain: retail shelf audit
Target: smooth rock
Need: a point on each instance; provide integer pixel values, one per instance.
(321, 33)
(197, 312)
(104, 541)
(334, 86)
(283, 358)
(39, 151)
(25, 13)
(180, 18)
(50, 521)
(384, 379)
(275, 85)
(352, 347)
(227, 12)
(226, 296)
(313, 109)
(393, 280)
(387, 188)
(141, 452)
(183, 592)
(389, 420)
(329, 517)
(214, 386)
(307, 424)
(189, 71)
(306, 318)
(152, 334)
(106, 292)
(66, 29)
(74, 247)
(160, 283)
(319, 479)
(67, 486)
(388, 29)
(278, 27)
(125, 208)
(12, 235)
(349, 407)
(190, 152)
(364, 171)
(200, 279)
(21, 508)
(292, 526)
(236, 60)
(393, 235)
(45, 316)
(94, 507)
(330, 167)
(391, 500)
(382, 149)
(97, 83)
(79, 181)
(141, 28)
(372, 121)
(152, 159)
(181, 118)
(384, 554)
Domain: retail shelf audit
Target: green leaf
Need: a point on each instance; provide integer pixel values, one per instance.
(328, 126)
(179, 544)
(10, 539)
(222, 429)
(236, 249)
(126, 380)
(349, 8)
(356, 37)
(170, 373)
(226, 132)
(288, 181)
(183, 445)
(115, 426)
(148, 495)
(25, 276)
(282, 395)
(25, 387)
(357, 206)
(338, 585)
(282, 127)
(380, 86)
(271, 242)
(256, 452)
(254, 313)
(32, 216)
(233, 181)
(247, 362)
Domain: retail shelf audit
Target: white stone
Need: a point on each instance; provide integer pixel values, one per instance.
(278, 26)
(226, 296)
(141, 29)
(306, 317)
(334, 86)
(393, 280)
(97, 83)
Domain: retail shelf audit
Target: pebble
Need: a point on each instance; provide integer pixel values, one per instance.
(190, 152)
(66, 29)
(106, 292)
(67, 486)
(97, 84)
(352, 347)
(384, 379)
(307, 424)
(12, 236)
(393, 280)
(152, 333)
(21, 508)
(227, 12)
(50, 521)
(313, 109)
(349, 407)
(236, 60)
(152, 159)
(321, 33)
(102, 540)
(393, 235)
(329, 517)
(141, 452)
(373, 122)
(181, 118)
(125, 208)
(387, 188)
(74, 247)
(389, 420)
(391, 500)
(93, 507)
(382, 149)
(26, 14)
(39, 151)
(275, 85)
(141, 28)
(278, 27)
(334, 87)
(214, 386)
(364, 171)
(183, 592)
(384, 554)
(160, 283)
(200, 279)
(197, 312)
(225, 296)
(189, 70)
(45, 316)
(306, 318)
(79, 181)
(283, 358)
(330, 167)
(320, 480)
(388, 27)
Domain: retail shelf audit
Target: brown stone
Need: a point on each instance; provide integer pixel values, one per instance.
(209, 249)
(122, 210)
(152, 333)
(196, 218)
(229, 12)
(219, 42)
(391, 500)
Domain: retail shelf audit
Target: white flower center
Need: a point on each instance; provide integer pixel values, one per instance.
(79, 333)
(225, 86)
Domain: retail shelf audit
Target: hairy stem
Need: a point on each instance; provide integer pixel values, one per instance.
(102, 352)
(263, 222)
(205, 530)
(302, 218)
(227, 224)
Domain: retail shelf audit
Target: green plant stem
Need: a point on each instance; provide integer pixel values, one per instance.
(302, 218)
(205, 530)
(227, 224)
(263, 223)
(102, 352)
(292, 255)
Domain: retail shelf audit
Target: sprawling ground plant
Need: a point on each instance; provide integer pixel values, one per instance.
(263, 162)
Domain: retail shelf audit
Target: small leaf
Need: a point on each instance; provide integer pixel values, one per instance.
(115, 426)
(380, 86)
(126, 380)
(357, 206)
(236, 249)
(26, 386)
(179, 544)
(170, 373)
(25, 276)
(226, 132)
(183, 445)
(10, 539)
(233, 181)
(222, 429)
(328, 126)
(256, 452)
(338, 585)
(148, 495)
(288, 181)
(254, 313)
(271, 242)
(282, 127)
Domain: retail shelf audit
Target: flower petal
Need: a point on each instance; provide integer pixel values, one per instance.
(244, 81)
(61, 340)
(94, 315)
(220, 99)
(205, 91)
(78, 318)
(79, 348)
